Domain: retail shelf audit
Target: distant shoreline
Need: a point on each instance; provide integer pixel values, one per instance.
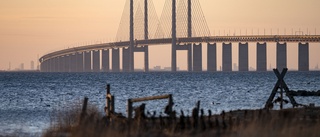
(20, 71)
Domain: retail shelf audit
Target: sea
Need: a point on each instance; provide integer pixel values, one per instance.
(29, 99)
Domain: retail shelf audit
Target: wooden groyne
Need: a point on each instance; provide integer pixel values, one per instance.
(294, 122)
(304, 93)
(262, 122)
(282, 89)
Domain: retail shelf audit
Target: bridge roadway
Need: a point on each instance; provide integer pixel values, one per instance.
(210, 39)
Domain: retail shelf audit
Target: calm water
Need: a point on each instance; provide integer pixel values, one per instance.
(28, 99)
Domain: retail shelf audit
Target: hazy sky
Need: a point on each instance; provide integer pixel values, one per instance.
(31, 28)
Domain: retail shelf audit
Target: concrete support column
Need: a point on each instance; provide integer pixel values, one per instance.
(174, 39)
(73, 63)
(190, 57)
(115, 60)
(131, 46)
(303, 57)
(60, 64)
(243, 57)
(262, 56)
(281, 56)
(68, 63)
(46, 65)
(96, 61)
(125, 60)
(211, 57)
(226, 57)
(146, 36)
(79, 57)
(63, 64)
(42, 67)
(56, 66)
(105, 60)
(52, 65)
(197, 57)
(146, 58)
(87, 61)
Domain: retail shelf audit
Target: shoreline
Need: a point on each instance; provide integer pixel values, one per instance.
(257, 122)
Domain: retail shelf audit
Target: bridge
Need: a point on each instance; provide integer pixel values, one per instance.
(187, 31)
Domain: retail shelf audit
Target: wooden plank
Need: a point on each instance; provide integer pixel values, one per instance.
(150, 98)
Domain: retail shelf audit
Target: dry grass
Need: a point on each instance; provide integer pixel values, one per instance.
(242, 123)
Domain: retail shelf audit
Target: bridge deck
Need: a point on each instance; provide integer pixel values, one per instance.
(210, 39)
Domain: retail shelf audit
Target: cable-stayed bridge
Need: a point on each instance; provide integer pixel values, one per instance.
(181, 24)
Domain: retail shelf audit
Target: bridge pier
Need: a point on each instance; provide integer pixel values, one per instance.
(63, 63)
(226, 57)
(262, 56)
(115, 60)
(174, 38)
(243, 57)
(125, 60)
(73, 63)
(54, 67)
(68, 63)
(87, 61)
(105, 60)
(60, 64)
(197, 57)
(42, 66)
(130, 61)
(96, 61)
(303, 59)
(46, 65)
(146, 58)
(281, 55)
(146, 36)
(190, 59)
(79, 56)
(211, 57)
(57, 64)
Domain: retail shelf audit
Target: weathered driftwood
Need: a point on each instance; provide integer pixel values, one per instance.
(131, 101)
(109, 102)
(84, 109)
(151, 98)
(304, 93)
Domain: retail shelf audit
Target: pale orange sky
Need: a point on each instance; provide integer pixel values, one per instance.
(29, 28)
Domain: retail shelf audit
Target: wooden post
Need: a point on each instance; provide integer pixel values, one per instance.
(108, 100)
(108, 88)
(281, 96)
(198, 107)
(112, 104)
(84, 109)
(170, 102)
(129, 109)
